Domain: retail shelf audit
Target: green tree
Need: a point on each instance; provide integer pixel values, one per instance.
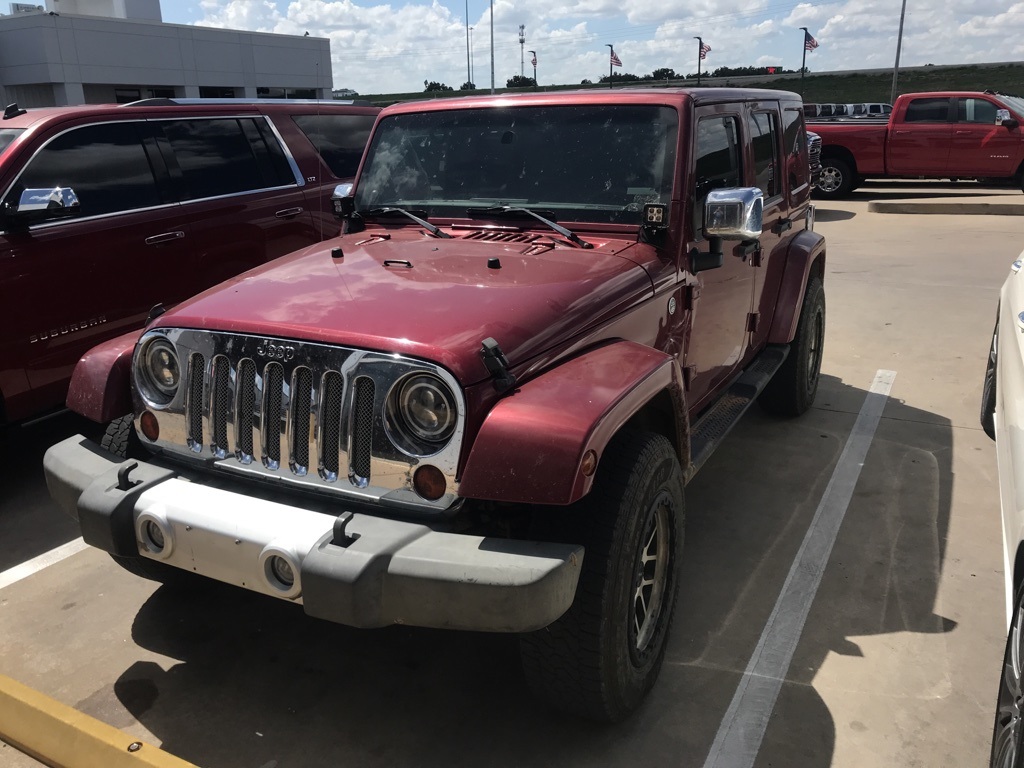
(664, 73)
(624, 77)
(435, 86)
(518, 81)
(467, 86)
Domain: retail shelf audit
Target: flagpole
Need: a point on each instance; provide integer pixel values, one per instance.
(610, 52)
(803, 62)
(534, 61)
(469, 73)
(700, 47)
(492, 46)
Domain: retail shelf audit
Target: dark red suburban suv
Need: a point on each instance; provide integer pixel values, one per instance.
(109, 210)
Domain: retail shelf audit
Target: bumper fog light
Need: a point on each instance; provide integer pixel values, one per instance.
(429, 482)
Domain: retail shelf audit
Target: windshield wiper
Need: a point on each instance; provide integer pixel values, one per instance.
(378, 212)
(512, 209)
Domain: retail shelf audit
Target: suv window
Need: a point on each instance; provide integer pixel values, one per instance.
(340, 139)
(794, 137)
(717, 163)
(218, 157)
(104, 164)
(976, 111)
(927, 111)
(764, 138)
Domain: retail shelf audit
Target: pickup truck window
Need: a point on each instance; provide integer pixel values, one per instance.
(927, 111)
(585, 163)
(764, 138)
(105, 165)
(216, 157)
(976, 111)
(340, 139)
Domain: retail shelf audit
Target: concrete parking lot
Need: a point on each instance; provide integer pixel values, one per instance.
(896, 663)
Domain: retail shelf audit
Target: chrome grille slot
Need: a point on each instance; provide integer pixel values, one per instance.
(245, 409)
(299, 417)
(220, 406)
(194, 401)
(331, 391)
(362, 430)
(273, 396)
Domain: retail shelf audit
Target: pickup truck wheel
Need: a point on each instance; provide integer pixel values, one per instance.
(836, 179)
(121, 440)
(600, 659)
(793, 387)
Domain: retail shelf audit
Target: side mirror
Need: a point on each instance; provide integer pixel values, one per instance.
(343, 201)
(42, 204)
(1005, 119)
(734, 214)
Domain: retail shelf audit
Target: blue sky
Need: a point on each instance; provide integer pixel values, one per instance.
(379, 47)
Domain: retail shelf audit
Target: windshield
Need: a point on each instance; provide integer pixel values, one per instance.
(7, 136)
(591, 163)
(1016, 103)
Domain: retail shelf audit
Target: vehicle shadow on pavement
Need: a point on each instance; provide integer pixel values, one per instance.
(250, 681)
(831, 214)
(28, 526)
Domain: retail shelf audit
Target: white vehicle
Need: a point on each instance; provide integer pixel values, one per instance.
(1002, 417)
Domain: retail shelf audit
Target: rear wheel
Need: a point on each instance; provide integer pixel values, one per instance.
(1008, 731)
(836, 179)
(793, 387)
(601, 658)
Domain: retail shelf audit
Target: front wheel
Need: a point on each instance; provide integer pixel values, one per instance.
(836, 179)
(600, 659)
(1008, 732)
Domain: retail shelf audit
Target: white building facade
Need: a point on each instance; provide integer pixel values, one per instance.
(107, 51)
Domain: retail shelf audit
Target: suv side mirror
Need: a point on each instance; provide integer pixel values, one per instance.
(42, 204)
(343, 201)
(729, 214)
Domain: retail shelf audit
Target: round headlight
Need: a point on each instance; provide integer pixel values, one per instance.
(160, 371)
(427, 408)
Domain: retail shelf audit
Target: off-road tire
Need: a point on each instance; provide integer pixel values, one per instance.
(793, 387)
(121, 439)
(595, 661)
(836, 179)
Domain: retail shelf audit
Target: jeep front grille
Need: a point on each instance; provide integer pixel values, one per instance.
(314, 415)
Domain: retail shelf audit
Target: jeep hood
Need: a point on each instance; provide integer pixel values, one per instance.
(431, 298)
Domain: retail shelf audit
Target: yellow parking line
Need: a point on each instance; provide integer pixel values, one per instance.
(61, 736)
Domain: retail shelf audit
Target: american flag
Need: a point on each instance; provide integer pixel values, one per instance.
(705, 49)
(616, 62)
(533, 61)
(809, 42)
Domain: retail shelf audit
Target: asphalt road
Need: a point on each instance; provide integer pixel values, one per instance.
(896, 664)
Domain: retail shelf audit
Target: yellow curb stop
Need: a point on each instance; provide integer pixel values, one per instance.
(63, 737)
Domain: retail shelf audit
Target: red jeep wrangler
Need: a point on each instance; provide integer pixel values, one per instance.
(478, 407)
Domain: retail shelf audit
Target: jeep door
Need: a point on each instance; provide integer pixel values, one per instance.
(980, 147)
(722, 296)
(242, 197)
(68, 284)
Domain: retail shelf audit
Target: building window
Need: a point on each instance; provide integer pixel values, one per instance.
(216, 92)
(126, 95)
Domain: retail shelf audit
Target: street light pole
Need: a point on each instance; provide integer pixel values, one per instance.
(899, 45)
(492, 46)
(522, 42)
(534, 60)
(469, 71)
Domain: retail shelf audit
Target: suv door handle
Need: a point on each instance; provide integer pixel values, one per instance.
(166, 237)
(288, 213)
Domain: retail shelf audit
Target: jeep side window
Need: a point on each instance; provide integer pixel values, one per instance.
(764, 138)
(717, 163)
(794, 138)
(340, 139)
(927, 111)
(215, 156)
(105, 165)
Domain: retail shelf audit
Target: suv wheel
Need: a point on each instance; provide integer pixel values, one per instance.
(793, 387)
(601, 658)
(1008, 731)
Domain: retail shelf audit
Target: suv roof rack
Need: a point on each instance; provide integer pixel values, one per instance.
(165, 102)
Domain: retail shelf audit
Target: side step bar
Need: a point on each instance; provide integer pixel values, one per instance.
(714, 424)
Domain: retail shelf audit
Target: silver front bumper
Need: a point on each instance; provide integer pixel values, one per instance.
(367, 572)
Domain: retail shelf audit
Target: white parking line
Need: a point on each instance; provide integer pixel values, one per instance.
(45, 560)
(739, 736)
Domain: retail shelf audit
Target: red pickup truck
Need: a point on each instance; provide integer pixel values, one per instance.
(939, 135)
